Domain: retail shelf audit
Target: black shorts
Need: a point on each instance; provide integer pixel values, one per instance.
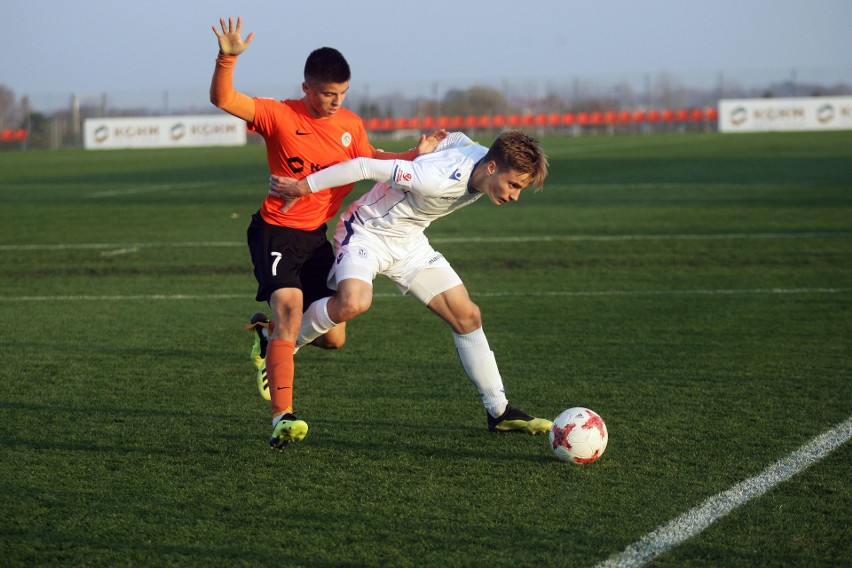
(290, 258)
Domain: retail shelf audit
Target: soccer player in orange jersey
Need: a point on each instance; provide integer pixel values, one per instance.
(287, 239)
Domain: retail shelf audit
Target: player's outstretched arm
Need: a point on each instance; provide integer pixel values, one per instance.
(337, 175)
(222, 92)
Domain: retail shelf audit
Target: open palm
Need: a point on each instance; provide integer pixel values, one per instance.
(230, 38)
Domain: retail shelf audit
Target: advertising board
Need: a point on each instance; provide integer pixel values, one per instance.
(163, 132)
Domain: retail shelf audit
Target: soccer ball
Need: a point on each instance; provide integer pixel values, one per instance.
(578, 435)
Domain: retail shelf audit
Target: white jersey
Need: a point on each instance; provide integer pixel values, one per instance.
(409, 195)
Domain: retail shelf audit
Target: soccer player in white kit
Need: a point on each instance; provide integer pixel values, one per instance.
(383, 233)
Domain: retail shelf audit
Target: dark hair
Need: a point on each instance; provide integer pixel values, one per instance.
(327, 65)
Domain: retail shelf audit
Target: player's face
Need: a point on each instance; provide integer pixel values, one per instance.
(324, 99)
(504, 186)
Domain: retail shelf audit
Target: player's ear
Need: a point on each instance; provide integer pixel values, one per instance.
(306, 87)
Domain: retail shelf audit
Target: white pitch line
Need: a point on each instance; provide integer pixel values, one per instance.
(695, 292)
(695, 521)
(148, 189)
(120, 251)
(674, 237)
(129, 297)
(525, 294)
(166, 187)
(114, 246)
(443, 240)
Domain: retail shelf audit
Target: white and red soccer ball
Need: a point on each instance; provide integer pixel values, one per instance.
(578, 435)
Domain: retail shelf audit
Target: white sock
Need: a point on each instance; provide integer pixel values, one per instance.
(315, 322)
(481, 366)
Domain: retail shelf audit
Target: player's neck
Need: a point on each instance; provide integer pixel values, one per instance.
(476, 176)
(311, 110)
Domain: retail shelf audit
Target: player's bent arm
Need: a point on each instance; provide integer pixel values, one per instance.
(427, 144)
(223, 94)
(408, 155)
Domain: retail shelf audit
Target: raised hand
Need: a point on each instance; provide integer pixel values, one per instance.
(230, 39)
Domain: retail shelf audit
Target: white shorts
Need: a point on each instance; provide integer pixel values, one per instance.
(410, 262)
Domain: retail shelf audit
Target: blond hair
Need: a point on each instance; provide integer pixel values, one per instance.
(517, 151)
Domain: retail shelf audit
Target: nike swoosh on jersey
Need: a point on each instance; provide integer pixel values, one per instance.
(300, 133)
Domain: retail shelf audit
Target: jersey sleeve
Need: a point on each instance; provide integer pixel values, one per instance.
(264, 116)
(418, 176)
(425, 176)
(222, 91)
(454, 140)
(350, 172)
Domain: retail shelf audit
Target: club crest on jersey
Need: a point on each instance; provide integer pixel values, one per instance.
(346, 139)
(456, 175)
(401, 175)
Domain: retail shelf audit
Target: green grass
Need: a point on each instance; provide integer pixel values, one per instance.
(692, 289)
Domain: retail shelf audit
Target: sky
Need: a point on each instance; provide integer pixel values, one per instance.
(96, 46)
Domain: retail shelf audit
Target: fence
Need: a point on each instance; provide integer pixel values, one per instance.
(563, 105)
(575, 122)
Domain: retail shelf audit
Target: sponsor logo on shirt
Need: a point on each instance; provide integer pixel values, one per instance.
(456, 175)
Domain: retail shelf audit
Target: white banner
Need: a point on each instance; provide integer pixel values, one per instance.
(763, 115)
(163, 132)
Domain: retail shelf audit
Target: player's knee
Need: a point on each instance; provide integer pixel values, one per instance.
(469, 318)
(475, 317)
(353, 305)
(351, 310)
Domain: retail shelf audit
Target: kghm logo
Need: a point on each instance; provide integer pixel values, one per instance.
(101, 133)
(178, 131)
(739, 115)
(825, 113)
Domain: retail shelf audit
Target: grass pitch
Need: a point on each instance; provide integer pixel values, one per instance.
(692, 289)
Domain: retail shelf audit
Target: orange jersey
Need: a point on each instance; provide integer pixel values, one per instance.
(297, 144)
